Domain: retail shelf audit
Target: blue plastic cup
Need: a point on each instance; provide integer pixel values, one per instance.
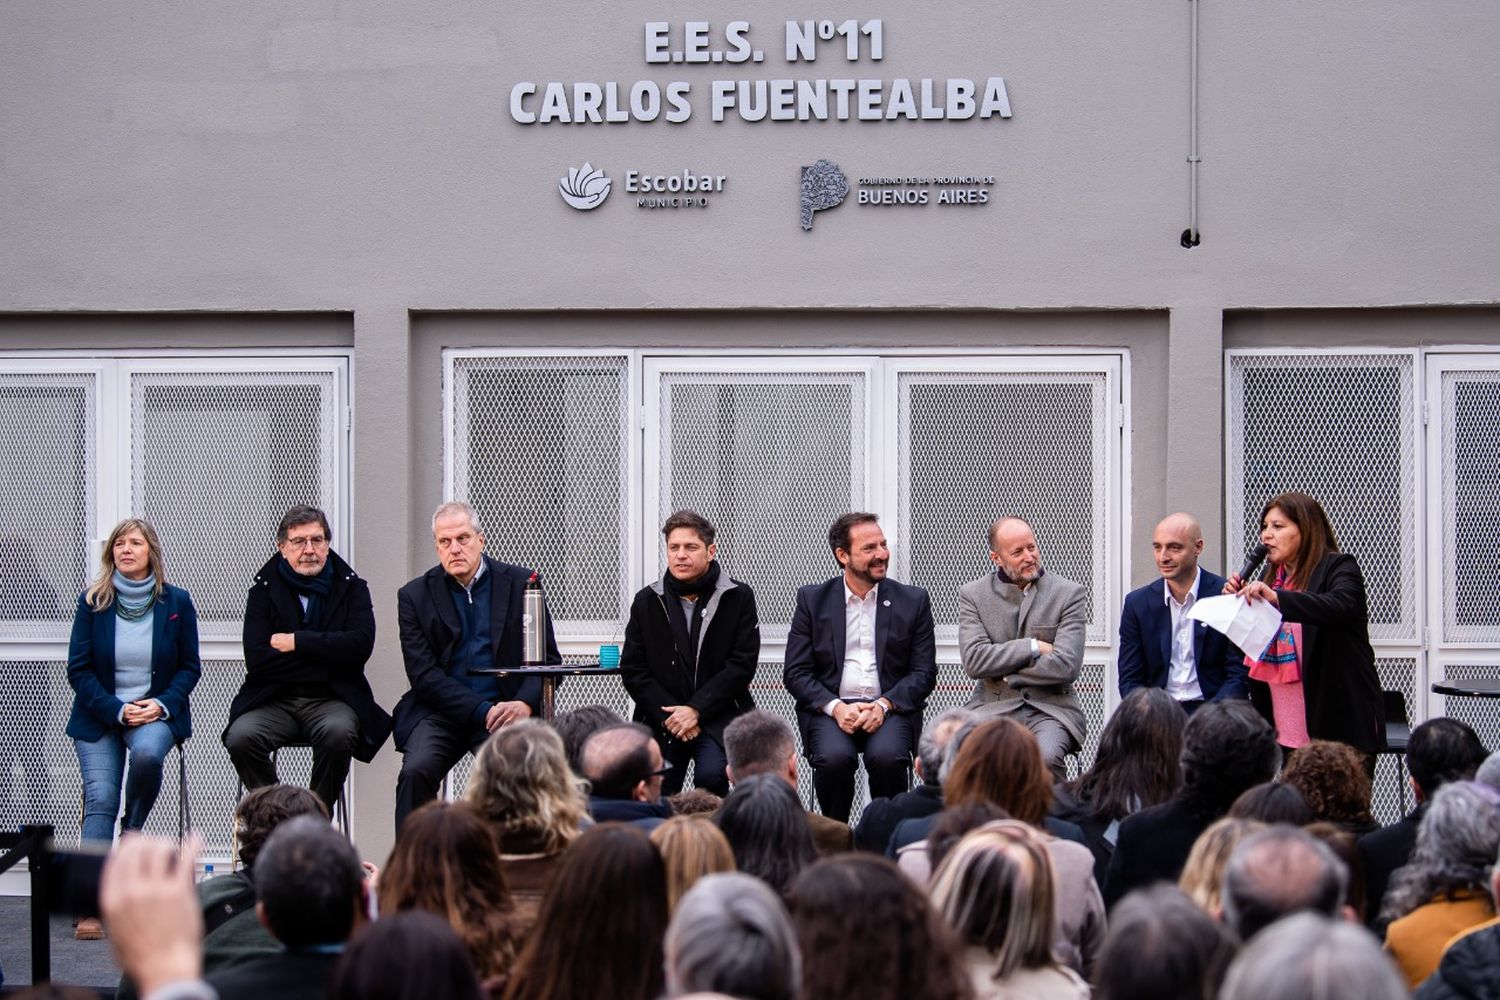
(609, 657)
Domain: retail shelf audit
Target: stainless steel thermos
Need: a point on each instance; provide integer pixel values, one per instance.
(533, 624)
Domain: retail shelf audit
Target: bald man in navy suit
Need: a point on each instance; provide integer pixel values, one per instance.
(1160, 646)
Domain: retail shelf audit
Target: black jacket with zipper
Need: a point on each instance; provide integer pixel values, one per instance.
(728, 653)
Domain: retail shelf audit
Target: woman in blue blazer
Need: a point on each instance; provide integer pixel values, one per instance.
(132, 662)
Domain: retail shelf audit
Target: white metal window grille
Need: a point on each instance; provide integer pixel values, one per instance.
(972, 446)
(1397, 673)
(1469, 484)
(39, 780)
(218, 456)
(539, 445)
(1342, 428)
(771, 457)
(48, 483)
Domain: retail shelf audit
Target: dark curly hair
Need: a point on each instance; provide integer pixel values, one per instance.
(1226, 748)
(1332, 778)
(870, 934)
(261, 811)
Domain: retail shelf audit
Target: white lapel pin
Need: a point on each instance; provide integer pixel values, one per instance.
(887, 603)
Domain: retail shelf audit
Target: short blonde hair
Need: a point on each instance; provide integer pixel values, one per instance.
(691, 847)
(1203, 874)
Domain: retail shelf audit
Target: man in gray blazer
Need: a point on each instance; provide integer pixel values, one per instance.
(1020, 635)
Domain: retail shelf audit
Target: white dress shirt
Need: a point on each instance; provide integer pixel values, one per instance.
(860, 680)
(1182, 674)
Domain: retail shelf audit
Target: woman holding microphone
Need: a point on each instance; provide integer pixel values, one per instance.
(1317, 678)
(132, 662)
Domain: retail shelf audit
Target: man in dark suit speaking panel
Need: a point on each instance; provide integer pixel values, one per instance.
(461, 615)
(1160, 646)
(860, 662)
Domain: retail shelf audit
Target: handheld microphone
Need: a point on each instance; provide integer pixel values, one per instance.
(1253, 559)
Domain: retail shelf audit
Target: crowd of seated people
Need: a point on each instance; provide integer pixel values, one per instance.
(1223, 880)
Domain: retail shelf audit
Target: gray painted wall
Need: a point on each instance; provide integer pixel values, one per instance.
(338, 158)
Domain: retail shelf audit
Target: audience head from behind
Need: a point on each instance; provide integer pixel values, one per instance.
(1273, 802)
(1202, 878)
(1332, 778)
(1001, 763)
(1456, 847)
(1309, 956)
(867, 932)
(1226, 748)
(996, 890)
(1489, 771)
(521, 785)
(1442, 750)
(599, 932)
(1277, 872)
(953, 824)
(575, 727)
(767, 829)
(758, 742)
(1160, 944)
(731, 935)
(262, 810)
(623, 763)
(694, 802)
(691, 847)
(1344, 845)
(309, 885)
(1138, 763)
(932, 746)
(447, 861)
(411, 955)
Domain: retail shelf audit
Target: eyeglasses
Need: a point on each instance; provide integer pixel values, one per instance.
(310, 542)
(666, 767)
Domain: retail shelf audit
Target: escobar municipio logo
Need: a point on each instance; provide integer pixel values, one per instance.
(584, 188)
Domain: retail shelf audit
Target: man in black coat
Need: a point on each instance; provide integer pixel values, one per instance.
(309, 629)
(461, 616)
(1439, 751)
(860, 662)
(691, 648)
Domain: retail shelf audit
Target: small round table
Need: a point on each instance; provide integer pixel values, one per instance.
(550, 675)
(1473, 687)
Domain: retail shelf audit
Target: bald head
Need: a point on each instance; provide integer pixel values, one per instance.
(1176, 545)
(1014, 551)
(619, 762)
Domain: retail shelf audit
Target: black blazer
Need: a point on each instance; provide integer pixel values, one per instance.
(905, 651)
(728, 653)
(430, 635)
(1382, 852)
(1339, 681)
(1153, 846)
(334, 654)
(1146, 644)
(175, 666)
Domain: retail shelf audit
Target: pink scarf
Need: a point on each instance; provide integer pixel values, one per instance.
(1281, 663)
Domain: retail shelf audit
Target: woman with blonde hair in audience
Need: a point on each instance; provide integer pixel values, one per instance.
(446, 861)
(1203, 875)
(996, 890)
(691, 847)
(1000, 763)
(523, 786)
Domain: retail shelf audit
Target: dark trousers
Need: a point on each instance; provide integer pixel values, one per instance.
(328, 725)
(834, 755)
(710, 766)
(434, 746)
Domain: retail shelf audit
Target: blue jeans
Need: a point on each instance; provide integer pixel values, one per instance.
(103, 764)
